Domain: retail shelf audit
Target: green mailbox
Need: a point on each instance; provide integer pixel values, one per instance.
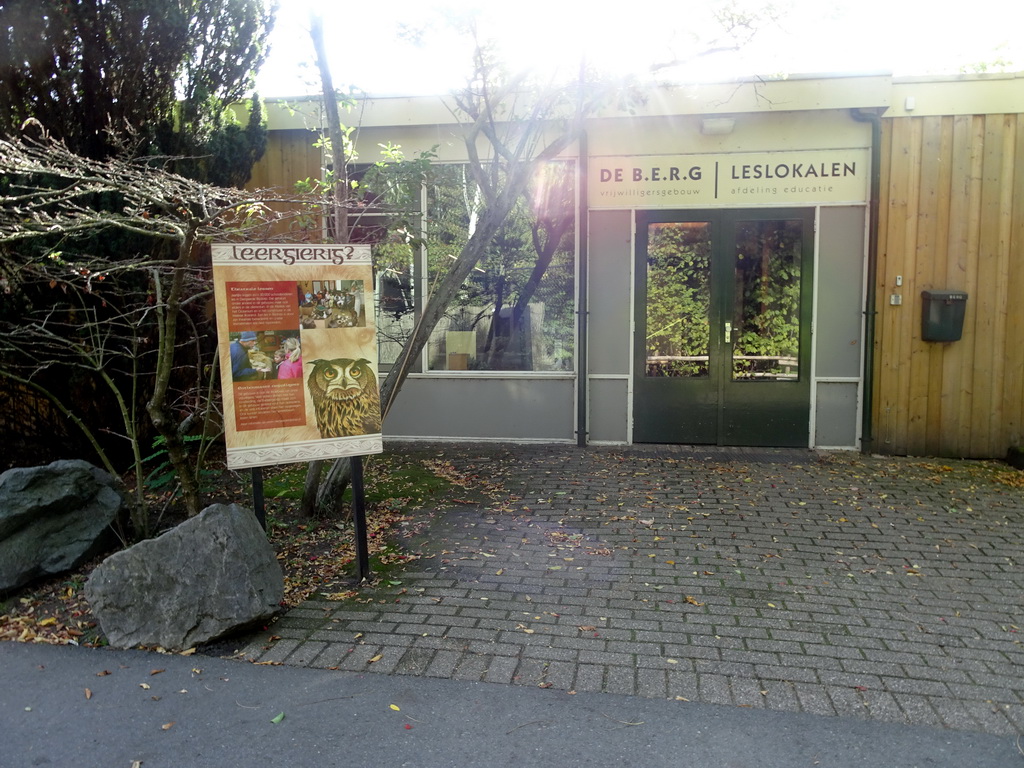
(942, 315)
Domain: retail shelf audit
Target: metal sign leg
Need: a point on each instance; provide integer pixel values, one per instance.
(359, 519)
(258, 505)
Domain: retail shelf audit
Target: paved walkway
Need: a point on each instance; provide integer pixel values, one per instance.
(832, 584)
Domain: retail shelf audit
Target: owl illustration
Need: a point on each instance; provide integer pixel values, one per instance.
(345, 397)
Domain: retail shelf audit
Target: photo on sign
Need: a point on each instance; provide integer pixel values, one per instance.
(265, 355)
(331, 304)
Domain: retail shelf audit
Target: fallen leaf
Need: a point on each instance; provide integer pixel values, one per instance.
(408, 727)
(188, 652)
(88, 693)
(772, 605)
(277, 718)
(693, 600)
(672, 661)
(48, 622)
(136, 764)
(104, 673)
(586, 628)
(155, 672)
(395, 707)
(376, 658)
(167, 726)
(144, 686)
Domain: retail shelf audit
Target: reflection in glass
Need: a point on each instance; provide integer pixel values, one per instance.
(766, 320)
(678, 298)
(516, 311)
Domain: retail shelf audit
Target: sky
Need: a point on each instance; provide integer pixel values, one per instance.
(407, 48)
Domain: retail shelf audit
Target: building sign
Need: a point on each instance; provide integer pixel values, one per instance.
(298, 352)
(735, 179)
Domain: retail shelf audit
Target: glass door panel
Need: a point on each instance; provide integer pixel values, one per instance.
(678, 303)
(765, 329)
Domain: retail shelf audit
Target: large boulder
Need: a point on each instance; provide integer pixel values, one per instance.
(208, 577)
(53, 518)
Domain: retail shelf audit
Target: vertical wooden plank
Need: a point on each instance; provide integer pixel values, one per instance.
(906, 324)
(878, 375)
(290, 157)
(1013, 391)
(890, 432)
(976, 137)
(926, 241)
(960, 356)
(937, 427)
(1002, 299)
(987, 289)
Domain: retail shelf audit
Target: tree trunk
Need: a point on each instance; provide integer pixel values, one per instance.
(159, 414)
(490, 221)
(338, 228)
(333, 489)
(313, 493)
(307, 507)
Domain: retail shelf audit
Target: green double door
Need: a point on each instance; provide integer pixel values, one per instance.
(723, 327)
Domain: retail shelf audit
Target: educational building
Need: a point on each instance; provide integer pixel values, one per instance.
(826, 262)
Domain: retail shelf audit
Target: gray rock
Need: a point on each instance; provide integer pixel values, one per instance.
(53, 519)
(209, 576)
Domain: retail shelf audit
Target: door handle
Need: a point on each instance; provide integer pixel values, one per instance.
(728, 333)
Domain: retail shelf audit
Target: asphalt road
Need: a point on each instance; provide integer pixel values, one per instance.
(120, 709)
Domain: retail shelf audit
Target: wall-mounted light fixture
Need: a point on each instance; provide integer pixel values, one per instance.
(717, 126)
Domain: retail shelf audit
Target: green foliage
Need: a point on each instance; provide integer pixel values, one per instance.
(768, 293)
(137, 77)
(160, 473)
(678, 296)
(285, 483)
(102, 255)
(392, 481)
(401, 482)
(229, 150)
(162, 479)
(766, 297)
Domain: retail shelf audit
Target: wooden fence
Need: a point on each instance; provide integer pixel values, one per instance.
(951, 217)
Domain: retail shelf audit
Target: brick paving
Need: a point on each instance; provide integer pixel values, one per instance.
(830, 583)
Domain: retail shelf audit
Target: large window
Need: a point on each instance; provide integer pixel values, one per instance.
(516, 310)
(387, 215)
